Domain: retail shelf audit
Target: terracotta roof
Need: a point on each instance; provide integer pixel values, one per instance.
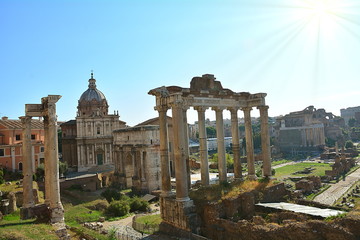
(70, 122)
(16, 124)
(152, 120)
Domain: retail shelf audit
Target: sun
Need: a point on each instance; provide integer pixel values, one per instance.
(321, 8)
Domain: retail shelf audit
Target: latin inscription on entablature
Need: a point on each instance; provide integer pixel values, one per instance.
(34, 110)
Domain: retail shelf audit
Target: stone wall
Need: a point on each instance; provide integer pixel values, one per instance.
(181, 215)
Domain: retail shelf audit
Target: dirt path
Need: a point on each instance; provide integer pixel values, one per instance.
(123, 222)
(338, 189)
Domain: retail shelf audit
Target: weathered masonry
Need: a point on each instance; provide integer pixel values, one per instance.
(204, 93)
(46, 110)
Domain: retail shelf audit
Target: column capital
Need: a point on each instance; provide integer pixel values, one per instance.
(263, 107)
(25, 119)
(200, 108)
(246, 109)
(179, 104)
(161, 108)
(217, 109)
(233, 109)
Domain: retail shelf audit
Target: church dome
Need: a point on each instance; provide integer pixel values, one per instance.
(92, 102)
(92, 93)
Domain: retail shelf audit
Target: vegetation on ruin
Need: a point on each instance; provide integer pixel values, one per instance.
(222, 191)
(150, 222)
(13, 228)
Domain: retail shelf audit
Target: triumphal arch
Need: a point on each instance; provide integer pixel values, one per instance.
(204, 93)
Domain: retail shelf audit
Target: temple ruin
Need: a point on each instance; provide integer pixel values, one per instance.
(46, 110)
(204, 93)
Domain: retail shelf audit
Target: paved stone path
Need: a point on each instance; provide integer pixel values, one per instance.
(338, 189)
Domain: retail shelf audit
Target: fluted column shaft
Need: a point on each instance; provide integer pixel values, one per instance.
(27, 163)
(235, 143)
(182, 192)
(249, 143)
(164, 151)
(265, 140)
(220, 143)
(203, 146)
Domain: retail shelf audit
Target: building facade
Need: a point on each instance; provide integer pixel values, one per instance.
(348, 113)
(137, 154)
(307, 130)
(88, 140)
(11, 140)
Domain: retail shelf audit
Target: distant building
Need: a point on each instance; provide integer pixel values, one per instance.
(87, 141)
(307, 130)
(11, 143)
(348, 113)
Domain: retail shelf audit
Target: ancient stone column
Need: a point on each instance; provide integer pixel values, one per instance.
(205, 180)
(179, 150)
(56, 208)
(235, 143)
(142, 169)
(249, 143)
(164, 151)
(220, 143)
(265, 140)
(47, 162)
(28, 197)
(187, 151)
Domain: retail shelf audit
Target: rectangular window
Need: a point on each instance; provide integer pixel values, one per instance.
(41, 149)
(17, 137)
(2, 152)
(33, 137)
(98, 130)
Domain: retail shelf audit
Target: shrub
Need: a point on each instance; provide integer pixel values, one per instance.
(138, 204)
(99, 205)
(40, 172)
(111, 194)
(118, 208)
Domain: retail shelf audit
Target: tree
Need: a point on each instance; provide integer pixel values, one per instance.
(352, 122)
(210, 132)
(349, 144)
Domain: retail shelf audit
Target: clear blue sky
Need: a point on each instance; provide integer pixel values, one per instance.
(299, 52)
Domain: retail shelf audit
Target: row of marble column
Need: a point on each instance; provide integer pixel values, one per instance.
(181, 152)
(52, 185)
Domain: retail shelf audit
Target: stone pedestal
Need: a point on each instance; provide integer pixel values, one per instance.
(179, 214)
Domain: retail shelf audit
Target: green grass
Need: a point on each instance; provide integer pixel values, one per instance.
(274, 163)
(12, 227)
(154, 219)
(288, 171)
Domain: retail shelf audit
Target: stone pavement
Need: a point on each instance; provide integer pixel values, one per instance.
(332, 194)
